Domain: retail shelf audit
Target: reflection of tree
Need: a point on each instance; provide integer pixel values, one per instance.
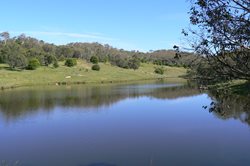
(20, 102)
(226, 106)
(174, 92)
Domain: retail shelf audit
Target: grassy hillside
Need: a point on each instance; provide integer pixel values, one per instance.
(81, 74)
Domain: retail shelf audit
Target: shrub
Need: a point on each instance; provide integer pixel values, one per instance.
(157, 62)
(94, 59)
(49, 59)
(70, 62)
(61, 58)
(134, 63)
(96, 67)
(33, 64)
(55, 64)
(159, 70)
(123, 63)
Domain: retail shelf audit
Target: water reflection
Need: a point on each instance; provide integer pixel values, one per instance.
(152, 124)
(14, 104)
(230, 106)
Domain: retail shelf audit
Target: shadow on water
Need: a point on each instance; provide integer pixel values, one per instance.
(17, 103)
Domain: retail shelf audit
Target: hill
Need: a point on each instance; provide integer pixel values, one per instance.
(82, 74)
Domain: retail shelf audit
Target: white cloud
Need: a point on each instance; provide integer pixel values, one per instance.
(96, 36)
(53, 36)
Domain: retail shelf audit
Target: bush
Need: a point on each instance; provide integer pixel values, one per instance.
(159, 70)
(96, 67)
(61, 58)
(134, 63)
(33, 64)
(49, 59)
(157, 62)
(94, 59)
(123, 63)
(70, 62)
(55, 64)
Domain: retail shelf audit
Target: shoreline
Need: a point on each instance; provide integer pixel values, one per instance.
(106, 82)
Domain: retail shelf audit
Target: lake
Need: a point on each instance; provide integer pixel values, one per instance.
(138, 124)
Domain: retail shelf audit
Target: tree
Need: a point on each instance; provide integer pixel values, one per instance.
(4, 54)
(65, 51)
(76, 54)
(5, 36)
(45, 52)
(49, 48)
(223, 35)
(15, 56)
(17, 61)
(134, 63)
(21, 39)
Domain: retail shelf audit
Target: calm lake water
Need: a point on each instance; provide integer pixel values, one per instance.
(151, 124)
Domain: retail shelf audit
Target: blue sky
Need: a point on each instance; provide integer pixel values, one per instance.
(129, 24)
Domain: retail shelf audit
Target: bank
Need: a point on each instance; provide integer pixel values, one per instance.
(82, 74)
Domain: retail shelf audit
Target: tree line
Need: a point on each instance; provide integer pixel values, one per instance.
(24, 52)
